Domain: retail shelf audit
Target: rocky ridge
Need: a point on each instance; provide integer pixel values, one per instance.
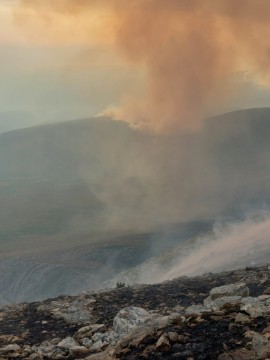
(223, 316)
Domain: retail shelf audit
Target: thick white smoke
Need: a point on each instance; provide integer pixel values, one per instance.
(231, 246)
(238, 244)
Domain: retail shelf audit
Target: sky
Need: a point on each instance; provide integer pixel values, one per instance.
(56, 80)
(158, 65)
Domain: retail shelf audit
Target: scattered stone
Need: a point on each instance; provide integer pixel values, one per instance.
(261, 345)
(241, 354)
(78, 351)
(99, 345)
(67, 343)
(90, 329)
(10, 348)
(242, 318)
(163, 344)
(221, 302)
(256, 310)
(128, 318)
(101, 356)
(239, 289)
(76, 312)
(138, 336)
(249, 334)
(173, 337)
(249, 300)
(158, 321)
(87, 342)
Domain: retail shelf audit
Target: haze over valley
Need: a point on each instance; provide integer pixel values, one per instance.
(84, 200)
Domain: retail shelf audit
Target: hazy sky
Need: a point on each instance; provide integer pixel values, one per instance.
(68, 59)
(57, 81)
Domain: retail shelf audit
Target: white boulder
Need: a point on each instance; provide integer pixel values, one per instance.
(239, 289)
(128, 318)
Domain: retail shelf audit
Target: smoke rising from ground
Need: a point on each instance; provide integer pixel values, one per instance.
(238, 244)
(230, 246)
(189, 51)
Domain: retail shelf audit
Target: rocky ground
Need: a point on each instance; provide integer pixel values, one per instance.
(222, 316)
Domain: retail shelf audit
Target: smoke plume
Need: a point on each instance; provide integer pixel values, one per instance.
(234, 246)
(230, 246)
(189, 51)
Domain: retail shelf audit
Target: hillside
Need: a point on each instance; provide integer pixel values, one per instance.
(12, 120)
(93, 174)
(225, 316)
(87, 194)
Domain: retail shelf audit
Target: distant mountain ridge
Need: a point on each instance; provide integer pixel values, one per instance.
(113, 168)
(14, 120)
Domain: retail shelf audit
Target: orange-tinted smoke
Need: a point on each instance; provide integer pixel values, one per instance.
(189, 50)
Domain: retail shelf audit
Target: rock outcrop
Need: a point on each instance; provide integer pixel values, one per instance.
(222, 316)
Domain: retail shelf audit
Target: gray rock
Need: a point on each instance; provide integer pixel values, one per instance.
(242, 319)
(67, 343)
(261, 345)
(239, 289)
(241, 354)
(35, 356)
(100, 341)
(98, 337)
(159, 322)
(49, 350)
(87, 342)
(75, 312)
(10, 348)
(218, 303)
(74, 315)
(99, 345)
(163, 344)
(249, 334)
(44, 348)
(101, 356)
(111, 337)
(55, 341)
(128, 318)
(176, 318)
(257, 309)
(78, 351)
(84, 329)
(249, 300)
(91, 329)
(137, 336)
(173, 336)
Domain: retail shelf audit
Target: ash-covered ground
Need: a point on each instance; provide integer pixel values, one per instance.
(185, 318)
